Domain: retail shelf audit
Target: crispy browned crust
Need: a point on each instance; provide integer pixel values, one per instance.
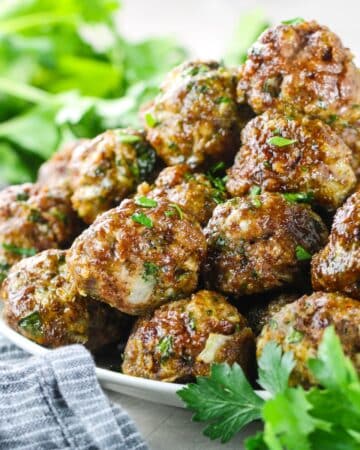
(195, 116)
(41, 285)
(318, 162)
(186, 325)
(112, 259)
(303, 67)
(337, 266)
(253, 241)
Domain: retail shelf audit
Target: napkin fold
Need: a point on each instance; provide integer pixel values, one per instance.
(54, 401)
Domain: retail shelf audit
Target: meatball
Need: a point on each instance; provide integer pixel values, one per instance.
(298, 327)
(302, 66)
(195, 117)
(33, 218)
(55, 171)
(138, 257)
(262, 309)
(41, 302)
(260, 243)
(180, 340)
(293, 155)
(194, 192)
(108, 168)
(337, 266)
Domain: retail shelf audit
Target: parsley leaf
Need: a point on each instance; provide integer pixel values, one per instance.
(225, 399)
(295, 21)
(32, 324)
(142, 219)
(275, 368)
(176, 210)
(146, 202)
(150, 120)
(299, 197)
(302, 254)
(280, 141)
(150, 270)
(19, 250)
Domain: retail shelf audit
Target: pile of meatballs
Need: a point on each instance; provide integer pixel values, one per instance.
(231, 220)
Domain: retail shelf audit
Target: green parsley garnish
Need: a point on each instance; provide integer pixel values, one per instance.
(220, 100)
(176, 210)
(165, 346)
(324, 417)
(256, 202)
(146, 202)
(295, 21)
(150, 120)
(142, 219)
(150, 270)
(280, 141)
(299, 197)
(302, 254)
(60, 215)
(294, 336)
(32, 324)
(35, 216)
(125, 138)
(19, 250)
(22, 196)
(255, 190)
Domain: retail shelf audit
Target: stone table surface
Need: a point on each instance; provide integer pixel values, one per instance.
(170, 428)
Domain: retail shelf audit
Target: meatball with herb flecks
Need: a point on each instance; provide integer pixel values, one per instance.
(261, 243)
(293, 155)
(107, 169)
(300, 66)
(195, 193)
(195, 118)
(180, 340)
(337, 266)
(139, 255)
(299, 326)
(42, 303)
(34, 218)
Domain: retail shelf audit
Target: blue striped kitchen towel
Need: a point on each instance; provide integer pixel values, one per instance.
(55, 402)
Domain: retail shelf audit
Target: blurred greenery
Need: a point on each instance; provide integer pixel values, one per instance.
(56, 84)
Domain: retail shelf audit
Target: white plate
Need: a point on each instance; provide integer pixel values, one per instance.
(154, 391)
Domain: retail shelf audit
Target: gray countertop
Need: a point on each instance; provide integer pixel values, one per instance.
(169, 428)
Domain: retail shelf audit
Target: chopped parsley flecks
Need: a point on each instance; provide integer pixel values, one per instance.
(280, 141)
(142, 219)
(146, 202)
(302, 254)
(19, 250)
(175, 210)
(32, 324)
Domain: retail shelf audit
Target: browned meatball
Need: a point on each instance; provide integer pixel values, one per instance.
(293, 155)
(180, 340)
(302, 66)
(33, 218)
(41, 302)
(337, 266)
(137, 257)
(263, 308)
(261, 243)
(299, 327)
(195, 118)
(108, 168)
(55, 171)
(194, 192)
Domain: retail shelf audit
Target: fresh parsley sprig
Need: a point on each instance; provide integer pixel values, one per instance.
(324, 417)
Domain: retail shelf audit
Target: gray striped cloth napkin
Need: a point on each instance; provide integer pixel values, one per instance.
(55, 402)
